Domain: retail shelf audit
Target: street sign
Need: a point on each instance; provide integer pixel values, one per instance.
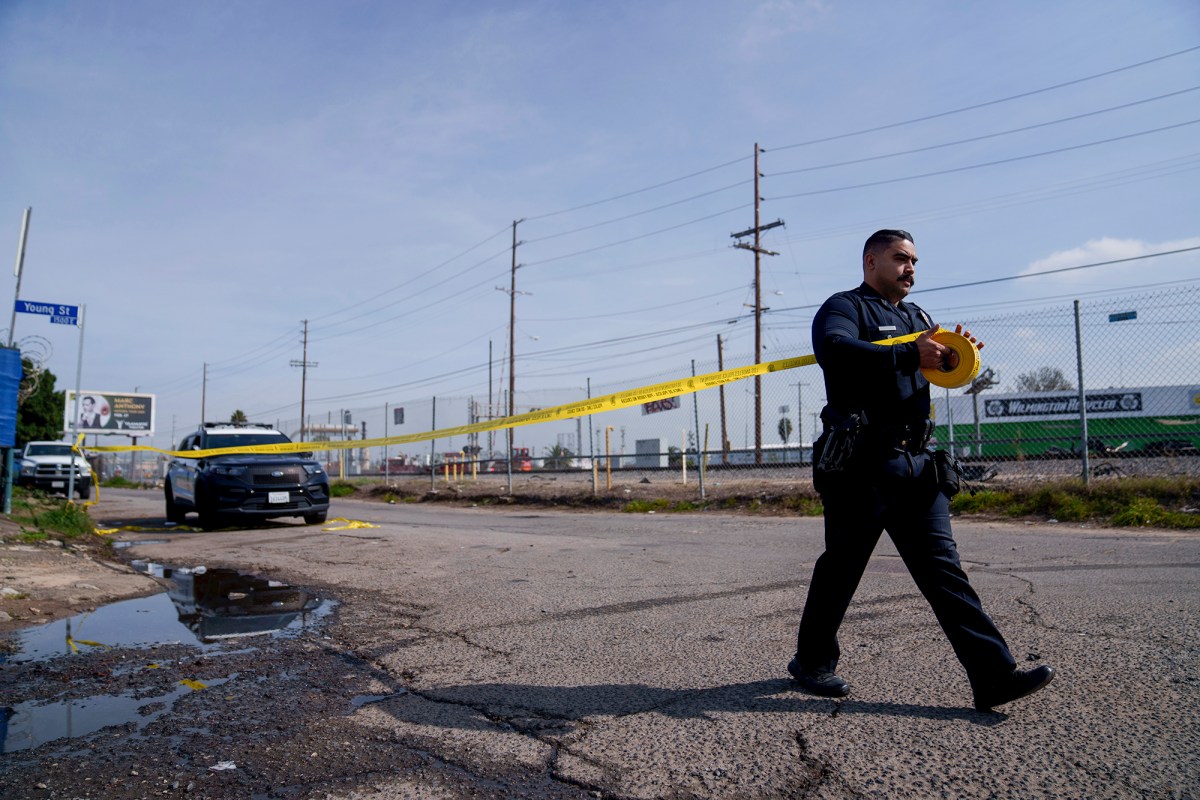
(58, 313)
(1121, 316)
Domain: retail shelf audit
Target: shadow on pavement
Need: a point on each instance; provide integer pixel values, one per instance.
(538, 705)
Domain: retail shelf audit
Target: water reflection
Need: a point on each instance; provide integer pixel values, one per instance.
(201, 606)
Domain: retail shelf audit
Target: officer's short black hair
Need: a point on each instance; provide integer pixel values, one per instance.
(881, 239)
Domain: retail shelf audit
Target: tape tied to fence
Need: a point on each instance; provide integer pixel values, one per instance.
(962, 373)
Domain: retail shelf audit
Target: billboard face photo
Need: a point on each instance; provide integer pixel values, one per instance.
(111, 412)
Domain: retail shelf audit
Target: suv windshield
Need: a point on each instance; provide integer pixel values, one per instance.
(218, 440)
(49, 450)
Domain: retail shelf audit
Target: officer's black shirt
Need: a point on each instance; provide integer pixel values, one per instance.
(885, 381)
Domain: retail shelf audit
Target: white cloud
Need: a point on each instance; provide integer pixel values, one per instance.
(1105, 249)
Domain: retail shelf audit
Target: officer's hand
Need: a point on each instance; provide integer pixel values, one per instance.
(933, 355)
(959, 329)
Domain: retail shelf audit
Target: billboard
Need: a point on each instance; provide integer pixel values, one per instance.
(111, 413)
(1046, 405)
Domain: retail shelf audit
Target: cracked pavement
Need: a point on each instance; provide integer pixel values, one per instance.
(505, 653)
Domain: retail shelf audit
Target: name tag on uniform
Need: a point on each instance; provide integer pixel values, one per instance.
(883, 328)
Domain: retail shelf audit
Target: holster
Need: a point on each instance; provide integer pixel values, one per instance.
(835, 451)
(841, 442)
(948, 472)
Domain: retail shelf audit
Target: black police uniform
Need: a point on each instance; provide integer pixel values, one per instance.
(888, 484)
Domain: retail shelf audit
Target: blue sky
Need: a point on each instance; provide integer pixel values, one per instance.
(204, 176)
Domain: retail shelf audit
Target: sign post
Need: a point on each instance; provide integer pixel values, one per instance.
(75, 426)
(61, 314)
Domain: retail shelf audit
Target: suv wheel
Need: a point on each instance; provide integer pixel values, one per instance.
(207, 514)
(174, 512)
(85, 490)
(316, 519)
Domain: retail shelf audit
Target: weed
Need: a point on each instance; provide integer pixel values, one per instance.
(120, 482)
(1142, 511)
(68, 520)
(341, 489)
(643, 506)
(1056, 503)
(808, 506)
(981, 502)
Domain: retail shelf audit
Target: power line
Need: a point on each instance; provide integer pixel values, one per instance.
(417, 293)
(623, 195)
(429, 271)
(642, 310)
(1063, 269)
(1093, 183)
(981, 138)
(1023, 275)
(737, 185)
(637, 238)
(987, 103)
(969, 167)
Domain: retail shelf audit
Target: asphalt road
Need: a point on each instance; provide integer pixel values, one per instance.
(546, 654)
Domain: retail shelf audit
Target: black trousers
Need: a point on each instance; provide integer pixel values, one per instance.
(917, 518)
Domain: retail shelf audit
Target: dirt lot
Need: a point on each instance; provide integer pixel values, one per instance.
(48, 580)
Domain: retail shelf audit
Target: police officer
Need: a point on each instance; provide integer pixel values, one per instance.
(874, 474)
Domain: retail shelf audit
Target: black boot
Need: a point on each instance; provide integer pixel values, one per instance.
(819, 682)
(1010, 686)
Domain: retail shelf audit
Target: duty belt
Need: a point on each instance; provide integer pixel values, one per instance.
(912, 438)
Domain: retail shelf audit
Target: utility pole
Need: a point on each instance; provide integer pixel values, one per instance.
(758, 251)
(512, 332)
(512, 341)
(721, 389)
(800, 416)
(304, 364)
(17, 271)
(490, 405)
(203, 392)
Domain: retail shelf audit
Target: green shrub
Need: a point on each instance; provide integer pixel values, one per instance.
(341, 489)
(68, 520)
(1141, 511)
(1057, 502)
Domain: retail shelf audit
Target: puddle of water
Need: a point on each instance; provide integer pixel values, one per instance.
(140, 622)
(200, 607)
(33, 723)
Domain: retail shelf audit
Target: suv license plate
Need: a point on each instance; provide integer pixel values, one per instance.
(58, 484)
(278, 497)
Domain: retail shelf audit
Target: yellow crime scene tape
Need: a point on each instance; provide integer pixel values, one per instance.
(963, 372)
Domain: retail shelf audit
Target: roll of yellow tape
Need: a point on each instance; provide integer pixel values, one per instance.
(964, 371)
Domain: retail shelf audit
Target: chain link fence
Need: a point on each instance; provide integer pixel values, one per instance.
(1024, 419)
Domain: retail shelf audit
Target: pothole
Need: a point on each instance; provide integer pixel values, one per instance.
(202, 607)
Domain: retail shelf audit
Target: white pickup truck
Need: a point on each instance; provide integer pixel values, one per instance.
(47, 466)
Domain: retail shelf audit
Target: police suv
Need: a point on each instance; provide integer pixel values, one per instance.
(247, 485)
